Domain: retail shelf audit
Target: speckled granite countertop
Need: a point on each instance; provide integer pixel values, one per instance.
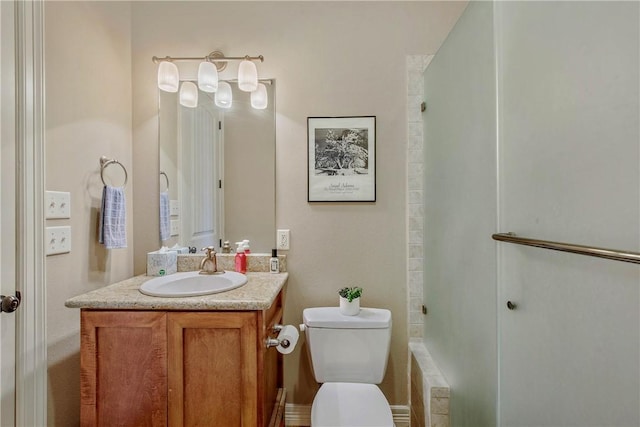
(258, 294)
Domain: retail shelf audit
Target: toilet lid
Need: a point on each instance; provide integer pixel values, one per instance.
(350, 405)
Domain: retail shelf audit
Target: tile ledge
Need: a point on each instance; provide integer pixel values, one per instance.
(432, 376)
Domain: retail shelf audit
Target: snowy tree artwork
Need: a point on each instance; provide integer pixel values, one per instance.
(341, 159)
(341, 151)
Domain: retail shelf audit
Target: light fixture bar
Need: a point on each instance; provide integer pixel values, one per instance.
(157, 59)
(215, 57)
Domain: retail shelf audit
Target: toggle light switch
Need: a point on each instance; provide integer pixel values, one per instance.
(58, 240)
(57, 205)
(174, 208)
(175, 227)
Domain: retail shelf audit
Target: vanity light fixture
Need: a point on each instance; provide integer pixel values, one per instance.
(259, 98)
(207, 77)
(247, 76)
(223, 97)
(210, 66)
(189, 95)
(168, 79)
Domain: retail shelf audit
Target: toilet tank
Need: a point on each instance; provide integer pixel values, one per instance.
(348, 348)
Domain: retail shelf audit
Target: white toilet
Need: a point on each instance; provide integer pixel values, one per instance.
(349, 356)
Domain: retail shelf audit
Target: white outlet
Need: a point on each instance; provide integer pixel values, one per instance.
(57, 205)
(58, 240)
(174, 208)
(175, 227)
(283, 240)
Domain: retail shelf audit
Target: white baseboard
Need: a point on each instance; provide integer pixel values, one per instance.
(300, 415)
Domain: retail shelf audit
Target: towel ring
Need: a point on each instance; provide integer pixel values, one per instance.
(166, 178)
(104, 162)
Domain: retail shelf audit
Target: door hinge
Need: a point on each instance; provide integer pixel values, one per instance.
(219, 125)
(219, 183)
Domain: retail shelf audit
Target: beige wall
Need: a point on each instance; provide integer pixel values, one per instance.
(329, 59)
(88, 114)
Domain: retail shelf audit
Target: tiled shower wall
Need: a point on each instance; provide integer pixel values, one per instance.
(416, 64)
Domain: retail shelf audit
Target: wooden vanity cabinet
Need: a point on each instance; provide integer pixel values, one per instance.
(180, 368)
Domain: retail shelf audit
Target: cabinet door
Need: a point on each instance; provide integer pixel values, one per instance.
(212, 369)
(123, 364)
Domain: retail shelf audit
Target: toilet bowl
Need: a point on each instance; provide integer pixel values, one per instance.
(350, 405)
(349, 357)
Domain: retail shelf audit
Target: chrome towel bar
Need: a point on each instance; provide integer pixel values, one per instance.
(613, 254)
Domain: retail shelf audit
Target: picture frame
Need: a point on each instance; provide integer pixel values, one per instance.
(341, 159)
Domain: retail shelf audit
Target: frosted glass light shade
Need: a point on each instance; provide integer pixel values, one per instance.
(207, 77)
(223, 97)
(259, 98)
(189, 95)
(247, 76)
(168, 77)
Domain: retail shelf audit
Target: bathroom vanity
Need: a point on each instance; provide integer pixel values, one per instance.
(149, 361)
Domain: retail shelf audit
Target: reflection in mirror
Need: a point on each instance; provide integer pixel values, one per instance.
(217, 171)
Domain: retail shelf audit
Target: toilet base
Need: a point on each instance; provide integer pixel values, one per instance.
(350, 405)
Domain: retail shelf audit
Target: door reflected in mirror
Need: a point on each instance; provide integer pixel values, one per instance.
(217, 171)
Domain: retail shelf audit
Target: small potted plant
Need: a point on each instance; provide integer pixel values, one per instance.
(350, 300)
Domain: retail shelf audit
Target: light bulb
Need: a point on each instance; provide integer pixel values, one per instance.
(247, 76)
(168, 77)
(189, 95)
(207, 77)
(259, 98)
(223, 97)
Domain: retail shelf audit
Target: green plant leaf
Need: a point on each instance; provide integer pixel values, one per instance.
(350, 293)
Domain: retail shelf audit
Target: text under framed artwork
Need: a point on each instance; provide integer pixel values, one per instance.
(341, 159)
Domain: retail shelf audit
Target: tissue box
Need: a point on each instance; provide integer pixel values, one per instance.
(161, 263)
(179, 249)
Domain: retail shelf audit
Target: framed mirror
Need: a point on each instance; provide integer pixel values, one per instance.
(217, 171)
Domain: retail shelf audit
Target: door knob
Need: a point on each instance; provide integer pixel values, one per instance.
(10, 303)
(511, 305)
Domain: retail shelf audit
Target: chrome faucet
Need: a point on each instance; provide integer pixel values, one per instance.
(209, 265)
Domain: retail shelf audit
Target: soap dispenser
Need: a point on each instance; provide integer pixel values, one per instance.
(241, 259)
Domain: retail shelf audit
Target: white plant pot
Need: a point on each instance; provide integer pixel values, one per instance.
(349, 308)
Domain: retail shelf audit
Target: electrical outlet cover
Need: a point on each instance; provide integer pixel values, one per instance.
(283, 240)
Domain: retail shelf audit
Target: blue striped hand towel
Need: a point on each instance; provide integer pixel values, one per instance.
(113, 218)
(165, 216)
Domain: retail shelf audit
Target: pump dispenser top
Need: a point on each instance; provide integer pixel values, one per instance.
(244, 245)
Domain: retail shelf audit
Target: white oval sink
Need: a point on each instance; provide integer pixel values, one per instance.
(192, 283)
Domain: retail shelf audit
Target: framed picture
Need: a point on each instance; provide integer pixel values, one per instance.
(341, 159)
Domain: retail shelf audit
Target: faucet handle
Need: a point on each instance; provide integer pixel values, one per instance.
(210, 250)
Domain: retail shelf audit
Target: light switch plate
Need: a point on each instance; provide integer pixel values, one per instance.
(283, 239)
(174, 208)
(175, 227)
(58, 240)
(57, 205)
